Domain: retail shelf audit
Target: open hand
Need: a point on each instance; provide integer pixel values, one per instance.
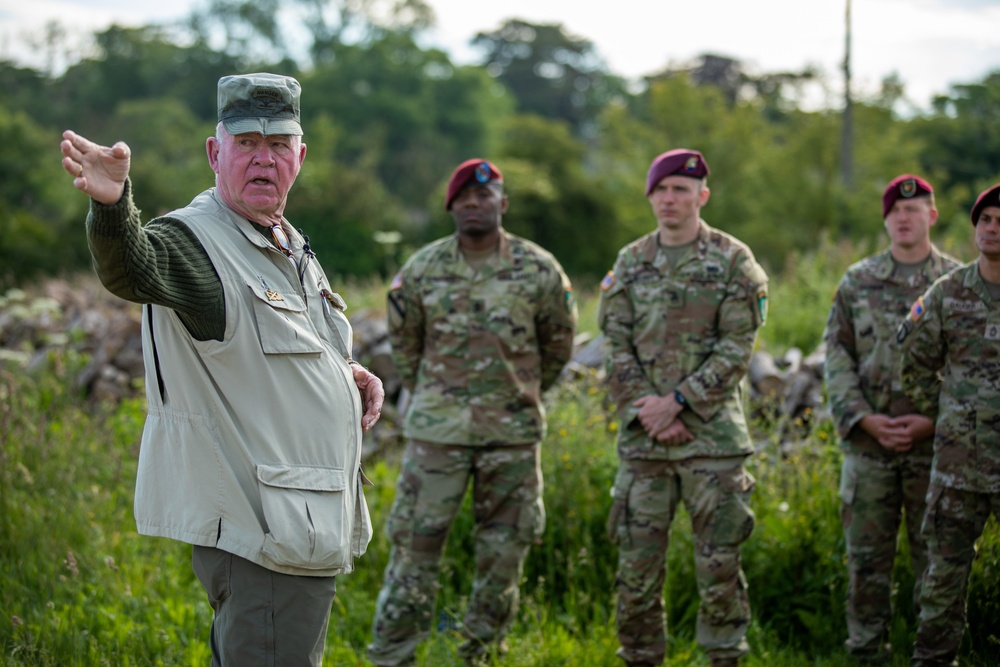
(98, 171)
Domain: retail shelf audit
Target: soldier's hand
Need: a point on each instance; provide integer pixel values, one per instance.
(887, 431)
(675, 434)
(916, 427)
(656, 413)
(98, 171)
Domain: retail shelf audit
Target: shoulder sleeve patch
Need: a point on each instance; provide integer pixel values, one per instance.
(762, 305)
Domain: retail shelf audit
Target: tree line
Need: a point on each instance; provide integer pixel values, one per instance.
(387, 118)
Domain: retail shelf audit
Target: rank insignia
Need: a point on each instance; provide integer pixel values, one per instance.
(273, 296)
(482, 172)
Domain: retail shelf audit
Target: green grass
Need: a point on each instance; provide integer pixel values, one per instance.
(78, 586)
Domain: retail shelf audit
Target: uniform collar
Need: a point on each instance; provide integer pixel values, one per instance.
(650, 248)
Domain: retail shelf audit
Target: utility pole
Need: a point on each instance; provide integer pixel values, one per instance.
(847, 125)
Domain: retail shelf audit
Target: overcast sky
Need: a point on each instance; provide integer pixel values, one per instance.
(930, 44)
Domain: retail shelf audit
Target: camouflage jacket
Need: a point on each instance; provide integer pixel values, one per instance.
(478, 348)
(690, 327)
(862, 356)
(951, 371)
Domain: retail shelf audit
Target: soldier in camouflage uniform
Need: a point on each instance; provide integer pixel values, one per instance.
(886, 442)
(481, 323)
(680, 311)
(951, 372)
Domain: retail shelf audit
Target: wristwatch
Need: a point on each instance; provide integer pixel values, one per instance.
(679, 397)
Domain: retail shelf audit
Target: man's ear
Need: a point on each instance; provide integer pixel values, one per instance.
(704, 195)
(212, 150)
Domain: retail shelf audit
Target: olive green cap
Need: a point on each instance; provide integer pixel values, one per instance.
(264, 103)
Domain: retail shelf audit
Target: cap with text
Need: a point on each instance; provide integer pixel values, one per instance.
(676, 162)
(988, 197)
(905, 186)
(264, 103)
(476, 170)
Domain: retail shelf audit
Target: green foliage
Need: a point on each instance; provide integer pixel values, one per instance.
(407, 115)
(41, 229)
(549, 72)
(962, 138)
(800, 295)
(388, 119)
(554, 201)
(165, 168)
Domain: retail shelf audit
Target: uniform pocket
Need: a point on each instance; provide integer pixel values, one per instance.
(531, 522)
(734, 520)
(305, 511)
(619, 503)
(848, 485)
(399, 524)
(362, 520)
(283, 324)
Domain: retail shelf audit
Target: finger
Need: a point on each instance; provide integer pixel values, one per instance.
(120, 150)
(72, 167)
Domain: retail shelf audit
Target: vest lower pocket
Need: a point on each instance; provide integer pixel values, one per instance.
(306, 513)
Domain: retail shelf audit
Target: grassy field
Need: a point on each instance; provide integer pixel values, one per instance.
(78, 586)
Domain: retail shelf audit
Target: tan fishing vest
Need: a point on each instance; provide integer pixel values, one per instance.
(252, 444)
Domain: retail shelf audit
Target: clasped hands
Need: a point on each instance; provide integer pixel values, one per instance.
(659, 415)
(897, 434)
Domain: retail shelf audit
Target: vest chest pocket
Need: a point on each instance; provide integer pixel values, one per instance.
(306, 512)
(283, 324)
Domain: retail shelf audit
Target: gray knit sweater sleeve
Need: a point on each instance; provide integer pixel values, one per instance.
(161, 263)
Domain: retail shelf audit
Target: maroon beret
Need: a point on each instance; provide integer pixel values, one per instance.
(906, 186)
(988, 197)
(680, 161)
(476, 170)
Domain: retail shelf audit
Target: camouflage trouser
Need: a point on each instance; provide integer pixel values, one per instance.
(875, 492)
(510, 517)
(716, 493)
(955, 520)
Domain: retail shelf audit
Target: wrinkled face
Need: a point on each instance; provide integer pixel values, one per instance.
(677, 201)
(909, 222)
(254, 173)
(478, 209)
(988, 233)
